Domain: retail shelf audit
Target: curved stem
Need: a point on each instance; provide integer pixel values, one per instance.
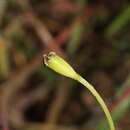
(99, 99)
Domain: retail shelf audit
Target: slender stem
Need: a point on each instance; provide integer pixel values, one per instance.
(99, 99)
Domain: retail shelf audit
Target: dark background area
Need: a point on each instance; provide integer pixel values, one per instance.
(92, 35)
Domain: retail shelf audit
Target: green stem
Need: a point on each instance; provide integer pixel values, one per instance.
(99, 99)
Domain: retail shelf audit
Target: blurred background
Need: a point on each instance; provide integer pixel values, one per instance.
(92, 35)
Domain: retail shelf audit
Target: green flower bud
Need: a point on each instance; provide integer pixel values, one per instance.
(59, 65)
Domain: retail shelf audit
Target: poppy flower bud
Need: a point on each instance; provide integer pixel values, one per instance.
(59, 65)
